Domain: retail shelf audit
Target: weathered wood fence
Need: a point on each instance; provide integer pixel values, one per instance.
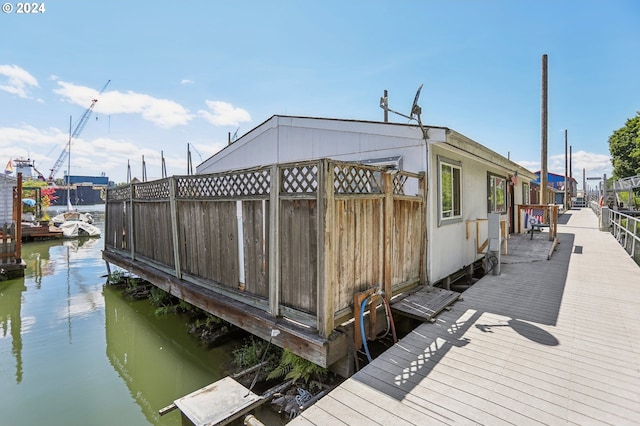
(8, 245)
(11, 262)
(296, 240)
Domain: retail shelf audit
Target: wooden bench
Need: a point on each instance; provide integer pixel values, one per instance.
(537, 227)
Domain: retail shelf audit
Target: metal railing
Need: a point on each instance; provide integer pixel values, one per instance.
(626, 229)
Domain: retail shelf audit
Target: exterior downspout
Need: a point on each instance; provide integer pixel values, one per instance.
(427, 216)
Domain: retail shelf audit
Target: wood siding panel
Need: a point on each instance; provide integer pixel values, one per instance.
(117, 227)
(153, 232)
(256, 248)
(298, 248)
(359, 247)
(209, 232)
(407, 241)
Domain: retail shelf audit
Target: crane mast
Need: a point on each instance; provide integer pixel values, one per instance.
(76, 132)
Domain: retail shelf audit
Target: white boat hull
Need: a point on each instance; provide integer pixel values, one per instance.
(76, 228)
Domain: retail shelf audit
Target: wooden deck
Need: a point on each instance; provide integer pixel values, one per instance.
(546, 342)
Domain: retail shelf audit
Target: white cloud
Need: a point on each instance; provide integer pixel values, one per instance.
(186, 81)
(224, 114)
(21, 137)
(164, 113)
(19, 81)
(593, 164)
(40, 145)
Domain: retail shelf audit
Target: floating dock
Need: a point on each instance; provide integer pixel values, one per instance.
(546, 342)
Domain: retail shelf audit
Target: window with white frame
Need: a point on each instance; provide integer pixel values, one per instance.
(525, 193)
(449, 190)
(497, 193)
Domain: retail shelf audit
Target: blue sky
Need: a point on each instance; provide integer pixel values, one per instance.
(191, 72)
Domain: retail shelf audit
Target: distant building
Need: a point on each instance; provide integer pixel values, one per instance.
(556, 183)
(84, 190)
(88, 180)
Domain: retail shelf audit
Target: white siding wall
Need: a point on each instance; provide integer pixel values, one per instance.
(290, 139)
(449, 249)
(6, 199)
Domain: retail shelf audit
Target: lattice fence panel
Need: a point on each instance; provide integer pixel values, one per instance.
(351, 179)
(121, 193)
(239, 184)
(398, 183)
(155, 190)
(299, 179)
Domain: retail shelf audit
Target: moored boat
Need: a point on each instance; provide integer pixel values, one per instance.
(78, 228)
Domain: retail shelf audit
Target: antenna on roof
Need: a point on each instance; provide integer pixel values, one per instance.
(414, 114)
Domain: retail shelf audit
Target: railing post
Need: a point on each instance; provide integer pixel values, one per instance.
(387, 178)
(604, 218)
(326, 272)
(174, 227)
(274, 241)
(634, 238)
(106, 220)
(132, 222)
(18, 221)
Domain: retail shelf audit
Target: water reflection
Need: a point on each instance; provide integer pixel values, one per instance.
(11, 319)
(154, 356)
(84, 352)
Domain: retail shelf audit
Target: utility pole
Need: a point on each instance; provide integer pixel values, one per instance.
(543, 154)
(571, 189)
(566, 170)
(584, 185)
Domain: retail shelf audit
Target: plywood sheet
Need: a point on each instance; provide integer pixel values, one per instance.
(218, 403)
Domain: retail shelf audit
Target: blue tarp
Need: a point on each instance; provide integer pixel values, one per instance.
(29, 202)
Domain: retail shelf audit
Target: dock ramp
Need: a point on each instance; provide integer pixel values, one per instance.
(425, 303)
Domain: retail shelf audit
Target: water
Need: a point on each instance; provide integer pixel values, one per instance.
(75, 351)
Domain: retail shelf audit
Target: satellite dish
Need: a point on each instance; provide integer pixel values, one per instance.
(414, 114)
(415, 108)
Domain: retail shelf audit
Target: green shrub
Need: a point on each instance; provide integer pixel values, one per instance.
(297, 368)
(251, 352)
(116, 277)
(159, 297)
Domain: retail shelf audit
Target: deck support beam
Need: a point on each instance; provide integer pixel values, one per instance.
(174, 226)
(301, 341)
(387, 179)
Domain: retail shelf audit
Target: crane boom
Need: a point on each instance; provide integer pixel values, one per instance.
(79, 127)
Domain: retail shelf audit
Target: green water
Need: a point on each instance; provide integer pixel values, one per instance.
(75, 351)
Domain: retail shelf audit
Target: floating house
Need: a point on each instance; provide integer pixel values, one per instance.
(466, 180)
(282, 227)
(11, 263)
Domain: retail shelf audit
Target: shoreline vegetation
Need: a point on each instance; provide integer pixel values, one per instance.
(289, 382)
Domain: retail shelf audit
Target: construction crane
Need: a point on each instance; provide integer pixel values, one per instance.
(79, 127)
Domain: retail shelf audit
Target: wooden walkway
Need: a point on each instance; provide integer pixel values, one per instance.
(547, 342)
